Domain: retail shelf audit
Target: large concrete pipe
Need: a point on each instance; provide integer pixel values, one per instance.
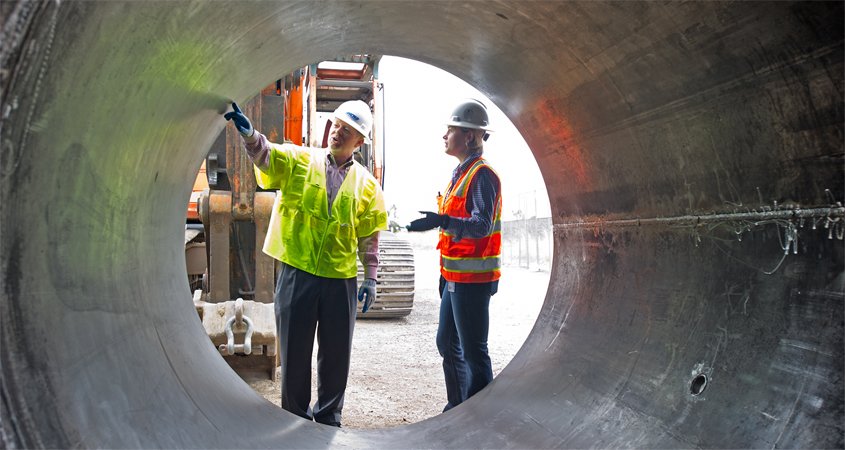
(693, 157)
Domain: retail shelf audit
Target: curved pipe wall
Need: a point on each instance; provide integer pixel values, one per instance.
(692, 154)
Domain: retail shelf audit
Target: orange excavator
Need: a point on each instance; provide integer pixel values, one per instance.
(232, 280)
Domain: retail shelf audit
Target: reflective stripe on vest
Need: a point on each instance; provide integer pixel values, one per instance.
(301, 232)
(471, 265)
(470, 260)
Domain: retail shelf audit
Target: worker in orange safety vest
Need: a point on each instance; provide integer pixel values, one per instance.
(469, 218)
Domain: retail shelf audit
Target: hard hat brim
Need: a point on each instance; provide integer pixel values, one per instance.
(469, 125)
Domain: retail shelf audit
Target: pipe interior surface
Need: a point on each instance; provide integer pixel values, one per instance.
(692, 153)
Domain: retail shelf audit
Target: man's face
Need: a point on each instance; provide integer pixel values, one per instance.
(342, 137)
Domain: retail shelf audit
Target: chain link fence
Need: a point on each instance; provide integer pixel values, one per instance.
(527, 243)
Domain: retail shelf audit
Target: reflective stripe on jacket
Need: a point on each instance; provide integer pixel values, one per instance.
(301, 232)
(470, 260)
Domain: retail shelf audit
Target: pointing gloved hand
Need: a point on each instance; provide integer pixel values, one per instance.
(367, 293)
(431, 221)
(241, 122)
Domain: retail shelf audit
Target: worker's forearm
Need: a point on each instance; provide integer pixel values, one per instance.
(258, 149)
(478, 225)
(368, 254)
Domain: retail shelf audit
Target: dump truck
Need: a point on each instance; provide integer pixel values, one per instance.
(232, 280)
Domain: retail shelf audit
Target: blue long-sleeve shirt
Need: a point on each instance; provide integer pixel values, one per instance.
(481, 202)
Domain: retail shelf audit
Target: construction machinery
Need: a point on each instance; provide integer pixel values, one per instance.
(232, 279)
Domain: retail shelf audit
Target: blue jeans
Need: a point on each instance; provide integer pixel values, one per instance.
(462, 338)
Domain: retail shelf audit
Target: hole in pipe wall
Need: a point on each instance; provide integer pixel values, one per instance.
(698, 384)
(396, 375)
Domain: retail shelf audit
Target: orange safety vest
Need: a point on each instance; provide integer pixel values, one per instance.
(469, 260)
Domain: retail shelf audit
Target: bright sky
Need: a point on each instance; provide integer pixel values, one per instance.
(418, 100)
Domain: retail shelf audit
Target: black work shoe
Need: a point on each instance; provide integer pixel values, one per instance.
(331, 424)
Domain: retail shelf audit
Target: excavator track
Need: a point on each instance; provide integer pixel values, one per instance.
(395, 279)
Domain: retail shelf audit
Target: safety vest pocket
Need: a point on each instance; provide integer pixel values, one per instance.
(345, 237)
(341, 246)
(314, 200)
(342, 207)
(290, 219)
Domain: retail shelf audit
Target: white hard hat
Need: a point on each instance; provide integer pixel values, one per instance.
(358, 115)
(472, 114)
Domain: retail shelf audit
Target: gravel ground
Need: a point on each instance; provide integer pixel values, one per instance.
(396, 377)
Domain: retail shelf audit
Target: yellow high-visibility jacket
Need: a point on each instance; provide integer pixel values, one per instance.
(302, 233)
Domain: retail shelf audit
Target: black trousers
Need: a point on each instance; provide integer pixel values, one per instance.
(305, 303)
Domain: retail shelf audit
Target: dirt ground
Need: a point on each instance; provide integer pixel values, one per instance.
(396, 376)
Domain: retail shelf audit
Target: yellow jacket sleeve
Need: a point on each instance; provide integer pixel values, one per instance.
(372, 214)
(282, 160)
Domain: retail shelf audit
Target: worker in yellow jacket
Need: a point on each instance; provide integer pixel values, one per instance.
(329, 208)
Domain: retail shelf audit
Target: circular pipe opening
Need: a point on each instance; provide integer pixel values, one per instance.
(526, 235)
(698, 384)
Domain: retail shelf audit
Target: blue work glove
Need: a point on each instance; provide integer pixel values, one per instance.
(241, 122)
(367, 293)
(431, 221)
